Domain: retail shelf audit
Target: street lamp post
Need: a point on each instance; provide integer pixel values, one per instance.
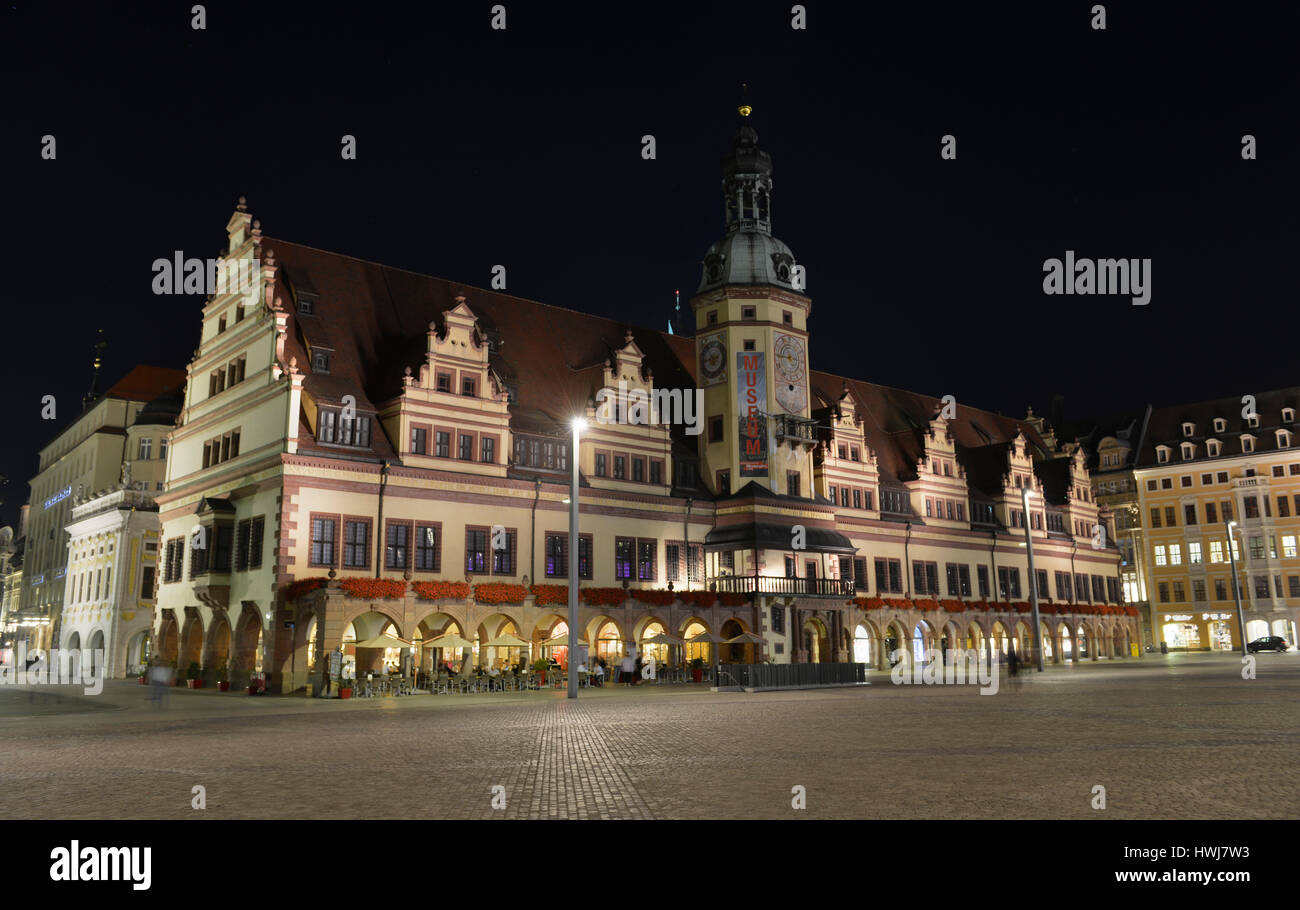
(579, 424)
(1236, 588)
(1033, 579)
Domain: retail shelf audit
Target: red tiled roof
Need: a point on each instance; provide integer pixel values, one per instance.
(375, 318)
(145, 383)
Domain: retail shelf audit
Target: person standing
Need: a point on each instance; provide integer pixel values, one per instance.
(629, 668)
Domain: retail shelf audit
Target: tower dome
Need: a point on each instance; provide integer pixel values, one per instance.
(748, 253)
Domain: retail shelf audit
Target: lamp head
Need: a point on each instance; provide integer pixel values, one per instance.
(578, 423)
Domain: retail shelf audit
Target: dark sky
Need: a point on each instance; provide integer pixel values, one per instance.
(522, 147)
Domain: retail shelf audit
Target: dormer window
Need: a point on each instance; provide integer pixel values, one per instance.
(1220, 424)
(1189, 429)
(1252, 420)
(1189, 451)
(1288, 415)
(1283, 439)
(320, 362)
(1213, 448)
(306, 306)
(748, 312)
(1162, 454)
(1248, 443)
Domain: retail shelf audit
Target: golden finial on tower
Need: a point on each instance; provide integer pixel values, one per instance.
(745, 108)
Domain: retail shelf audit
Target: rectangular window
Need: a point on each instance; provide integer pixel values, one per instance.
(428, 547)
(146, 448)
(397, 545)
(1220, 589)
(1162, 558)
(476, 550)
(1155, 518)
(487, 450)
(859, 573)
(442, 444)
(1251, 506)
(557, 556)
(1171, 517)
(322, 541)
(620, 467)
(638, 470)
(715, 429)
(1293, 585)
(982, 579)
(1189, 514)
(1211, 513)
(889, 576)
(1163, 588)
(778, 620)
(792, 483)
(645, 560)
(1194, 552)
(466, 447)
(503, 559)
(467, 386)
(600, 464)
(1175, 554)
(1180, 593)
(1081, 586)
(1042, 583)
(1261, 586)
(356, 544)
(623, 549)
(419, 440)
(146, 583)
(656, 471)
(1256, 547)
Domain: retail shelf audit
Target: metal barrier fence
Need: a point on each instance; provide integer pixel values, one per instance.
(775, 676)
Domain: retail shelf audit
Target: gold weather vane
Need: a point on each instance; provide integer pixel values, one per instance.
(745, 108)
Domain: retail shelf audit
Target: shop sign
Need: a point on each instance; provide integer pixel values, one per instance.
(1216, 616)
(58, 497)
(1179, 617)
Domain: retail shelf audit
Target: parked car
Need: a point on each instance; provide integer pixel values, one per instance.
(1267, 643)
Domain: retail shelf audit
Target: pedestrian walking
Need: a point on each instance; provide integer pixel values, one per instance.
(636, 670)
(1013, 662)
(629, 668)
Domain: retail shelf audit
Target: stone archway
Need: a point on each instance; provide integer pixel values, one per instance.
(96, 659)
(217, 650)
(817, 640)
(246, 650)
(741, 653)
(191, 642)
(168, 640)
(867, 647)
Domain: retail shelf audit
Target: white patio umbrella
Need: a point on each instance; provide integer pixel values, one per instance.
(450, 640)
(746, 638)
(507, 641)
(663, 638)
(561, 641)
(383, 641)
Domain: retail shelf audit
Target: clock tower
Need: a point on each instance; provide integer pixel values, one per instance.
(751, 317)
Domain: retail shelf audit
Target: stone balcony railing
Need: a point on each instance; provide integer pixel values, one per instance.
(106, 500)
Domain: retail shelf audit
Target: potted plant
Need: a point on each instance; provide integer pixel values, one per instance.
(697, 669)
(223, 676)
(345, 688)
(193, 675)
(540, 666)
(143, 674)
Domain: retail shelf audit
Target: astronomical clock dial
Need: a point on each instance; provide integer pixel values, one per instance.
(791, 380)
(713, 361)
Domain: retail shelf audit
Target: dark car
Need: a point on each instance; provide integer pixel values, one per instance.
(1267, 643)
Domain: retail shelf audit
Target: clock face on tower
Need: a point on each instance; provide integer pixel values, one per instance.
(791, 375)
(713, 361)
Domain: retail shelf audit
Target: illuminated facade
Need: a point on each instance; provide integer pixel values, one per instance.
(392, 456)
(1203, 465)
(87, 455)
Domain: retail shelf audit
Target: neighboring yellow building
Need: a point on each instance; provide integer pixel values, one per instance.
(1203, 465)
(366, 450)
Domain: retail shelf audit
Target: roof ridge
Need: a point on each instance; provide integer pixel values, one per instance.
(266, 241)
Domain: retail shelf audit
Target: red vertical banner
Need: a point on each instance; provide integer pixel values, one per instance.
(751, 391)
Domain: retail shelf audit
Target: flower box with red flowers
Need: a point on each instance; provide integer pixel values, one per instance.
(733, 600)
(550, 595)
(302, 586)
(924, 603)
(495, 593)
(953, 606)
(698, 598)
(654, 598)
(374, 588)
(440, 590)
(604, 597)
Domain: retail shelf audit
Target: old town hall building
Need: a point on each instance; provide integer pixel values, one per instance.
(364, 450)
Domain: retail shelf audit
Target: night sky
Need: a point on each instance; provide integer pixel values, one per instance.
(522, 147)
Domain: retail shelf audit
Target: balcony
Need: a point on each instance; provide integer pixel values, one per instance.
(787, 427)
(1246, 483)
(779, 586)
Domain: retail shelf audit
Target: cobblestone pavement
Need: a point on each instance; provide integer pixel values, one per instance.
(1180, 736)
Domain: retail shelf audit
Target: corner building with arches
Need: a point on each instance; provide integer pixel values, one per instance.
(365, 451)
